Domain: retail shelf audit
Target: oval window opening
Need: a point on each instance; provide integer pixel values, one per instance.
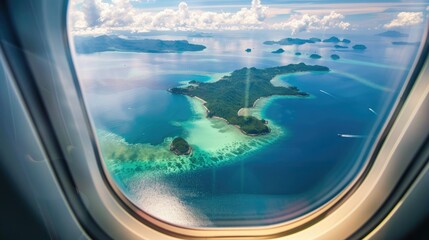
(240, 113)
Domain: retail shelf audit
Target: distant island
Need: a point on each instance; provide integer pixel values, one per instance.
(301, 41)
(248, 50)
(280, 50)
(313, 39)
(336, 40)
(292, 41)
(90, 44)
(315, 56)
(392, 34)
(179, 146)
(335, 57)
(298, 54)
(406, 43)
(226, 97)
(340, 46)
(201, 35)
(332, 40)
(359, 47)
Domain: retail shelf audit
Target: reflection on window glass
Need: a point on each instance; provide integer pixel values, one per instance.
(240, 113)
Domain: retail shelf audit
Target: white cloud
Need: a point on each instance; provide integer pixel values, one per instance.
(307, 22)
(97, 16)
(91, 12)
(404, 19)
(78, 20)
(185, 19)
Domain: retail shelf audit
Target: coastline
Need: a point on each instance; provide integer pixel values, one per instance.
(202, 100)
(189, 152)
(241, 111)
(247, 123)
(264, 100)
(207, 110)
(226, 121)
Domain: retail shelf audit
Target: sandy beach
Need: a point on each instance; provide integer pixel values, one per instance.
(246, 111)
(239, 112)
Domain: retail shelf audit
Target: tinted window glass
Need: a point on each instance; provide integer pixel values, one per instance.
(240, 113)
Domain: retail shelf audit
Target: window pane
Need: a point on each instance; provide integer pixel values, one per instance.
(240, 113)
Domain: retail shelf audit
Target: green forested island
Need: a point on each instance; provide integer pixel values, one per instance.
(179, 146)
(280, 50)
(90, 44)
(340, 46)
(241, 89)
(315, 56)
(335, 57)
(292, 41)
(334, 39)
(301, 41)
(359, 47)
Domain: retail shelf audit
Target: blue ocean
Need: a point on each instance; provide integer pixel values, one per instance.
(318, 144)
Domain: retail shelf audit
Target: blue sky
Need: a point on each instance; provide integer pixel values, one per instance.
(104, 16)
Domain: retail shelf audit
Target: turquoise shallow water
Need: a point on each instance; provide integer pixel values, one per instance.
(232, 179)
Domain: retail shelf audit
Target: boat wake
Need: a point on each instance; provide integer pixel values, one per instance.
(325, 92)
(351, 136)
(372, 110)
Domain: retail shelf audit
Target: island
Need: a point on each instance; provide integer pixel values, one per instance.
(201, 35)
(280, 50)
(335, 57)
(392, 34)
(336, 40)
(406, 43)
(339, 46)
(315, 56)
(359, 47)
(179, 146)
(226, 97)
(332, 40)
(292, 41)
(104, 43)
(248, 50)
(313, 39)
(298, 54)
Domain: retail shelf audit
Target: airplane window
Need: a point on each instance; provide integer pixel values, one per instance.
(245, 112)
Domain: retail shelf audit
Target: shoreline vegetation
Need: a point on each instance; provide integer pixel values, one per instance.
(242, 112)
(242, 88)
